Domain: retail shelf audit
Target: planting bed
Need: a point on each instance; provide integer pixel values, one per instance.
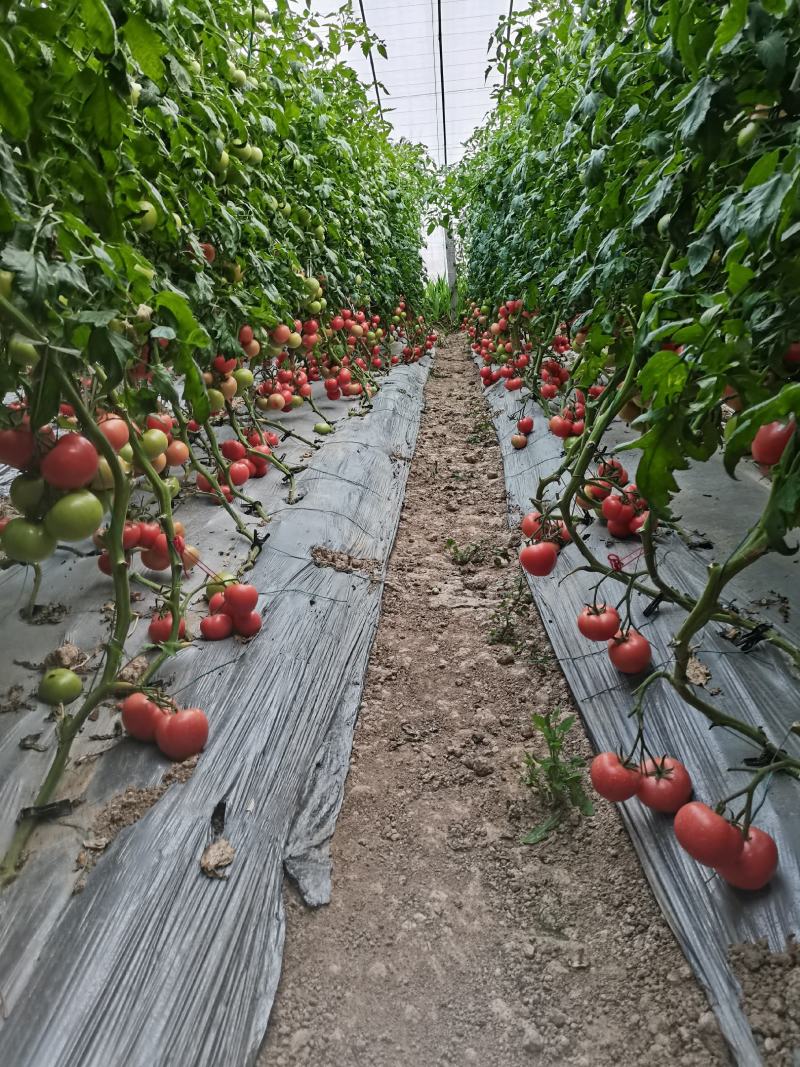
(707, 915)
(155, 954)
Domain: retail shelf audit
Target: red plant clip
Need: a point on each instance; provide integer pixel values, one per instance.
(618, 564)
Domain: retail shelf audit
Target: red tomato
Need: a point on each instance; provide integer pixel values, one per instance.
(216, 627)
(770, 441)
(612, 779)
(115, 432)
(755, 865)
(614, 471)
(155, 561)
(71, 463)
(629, 652)
(161, 544)
(131, 533)
(666, 785)
(16, 447)
(531, 523)
(183, 734)
(161, 627)
(140, 716)
(706, 836)
(233, 450)
(239, 472)
(560, 426)
(216, 603)
(539, 559)
(247, 625)
(148, 532)
(598, 623)
(245, 335)
(620, 530)
(104, 562)
(241, 599)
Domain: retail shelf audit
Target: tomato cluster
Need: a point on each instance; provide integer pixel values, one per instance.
(179, 733)
(232, 610)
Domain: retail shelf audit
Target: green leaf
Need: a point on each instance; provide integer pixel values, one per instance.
(683, 40)
(761, 207)
(146, 47)
(190, 331)
(772, 53)
(662, 454)
(654, 201)
(106, 112)
(32, 273)
(663, 376)
(194, 389)
(739, 276)
(697, 105)
(111, 350)
(46, 392)
(731, 24)
(15, 97)
(99, 25)
(11, 185)
(540, 832)
(699, 252)
(762, 169)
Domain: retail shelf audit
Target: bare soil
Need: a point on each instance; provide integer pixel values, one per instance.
(448, 941)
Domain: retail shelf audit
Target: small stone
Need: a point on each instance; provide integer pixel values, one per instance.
(299, 1040)
(506, 659)
(532, 1040)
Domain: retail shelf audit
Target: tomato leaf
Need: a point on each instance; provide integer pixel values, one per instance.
(731, 24)
(146, 47)
(190, 332)
(15, 97)
(100, 25)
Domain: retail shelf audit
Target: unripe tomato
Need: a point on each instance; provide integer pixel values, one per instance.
(75, 516)
(27, 542)
(59, 686)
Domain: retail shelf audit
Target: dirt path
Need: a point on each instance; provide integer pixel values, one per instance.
(448, 942)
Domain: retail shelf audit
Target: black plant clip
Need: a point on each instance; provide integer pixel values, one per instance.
(653, 606)
(748, 641)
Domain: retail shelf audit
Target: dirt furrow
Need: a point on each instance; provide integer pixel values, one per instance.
(447, 941)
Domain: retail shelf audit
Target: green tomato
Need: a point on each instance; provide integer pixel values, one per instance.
(286, 210)
(238, 76)
(244, 378)
(22, 352)
(106, 498)
(27, 542)
(323, 428)
(216, 400)
(126, 453)
(746, 136)
(173, 486)
(59, 686)
(256, 155)
(221, 579)
(312, 286)
(147, 216)
(663, 223)
(314, 306)
(26, 493)
(297, 401)
(6, 282)
(294, 340)
(319, 233)
(75, 516)
(153, 443)
(323, 303)
(194, 66)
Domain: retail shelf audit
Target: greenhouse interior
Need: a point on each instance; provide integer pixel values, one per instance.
(400, 533)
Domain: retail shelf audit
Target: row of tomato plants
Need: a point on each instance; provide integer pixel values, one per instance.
(639, 187)
(201, 216)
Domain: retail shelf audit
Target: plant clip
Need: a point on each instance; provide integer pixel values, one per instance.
(748, 641)
(653, 606)
(618, 564)
(259, 541)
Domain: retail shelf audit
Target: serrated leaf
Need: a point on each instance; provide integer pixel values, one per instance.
(146, 47)
(111, 350)
(32, 273)
(663, 377)
(761, 207)
(654, 200)
(106, 112)
(697, 105)
(772, 53)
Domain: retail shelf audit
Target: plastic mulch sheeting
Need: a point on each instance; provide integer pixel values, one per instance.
(153, 962)
(706, 915)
